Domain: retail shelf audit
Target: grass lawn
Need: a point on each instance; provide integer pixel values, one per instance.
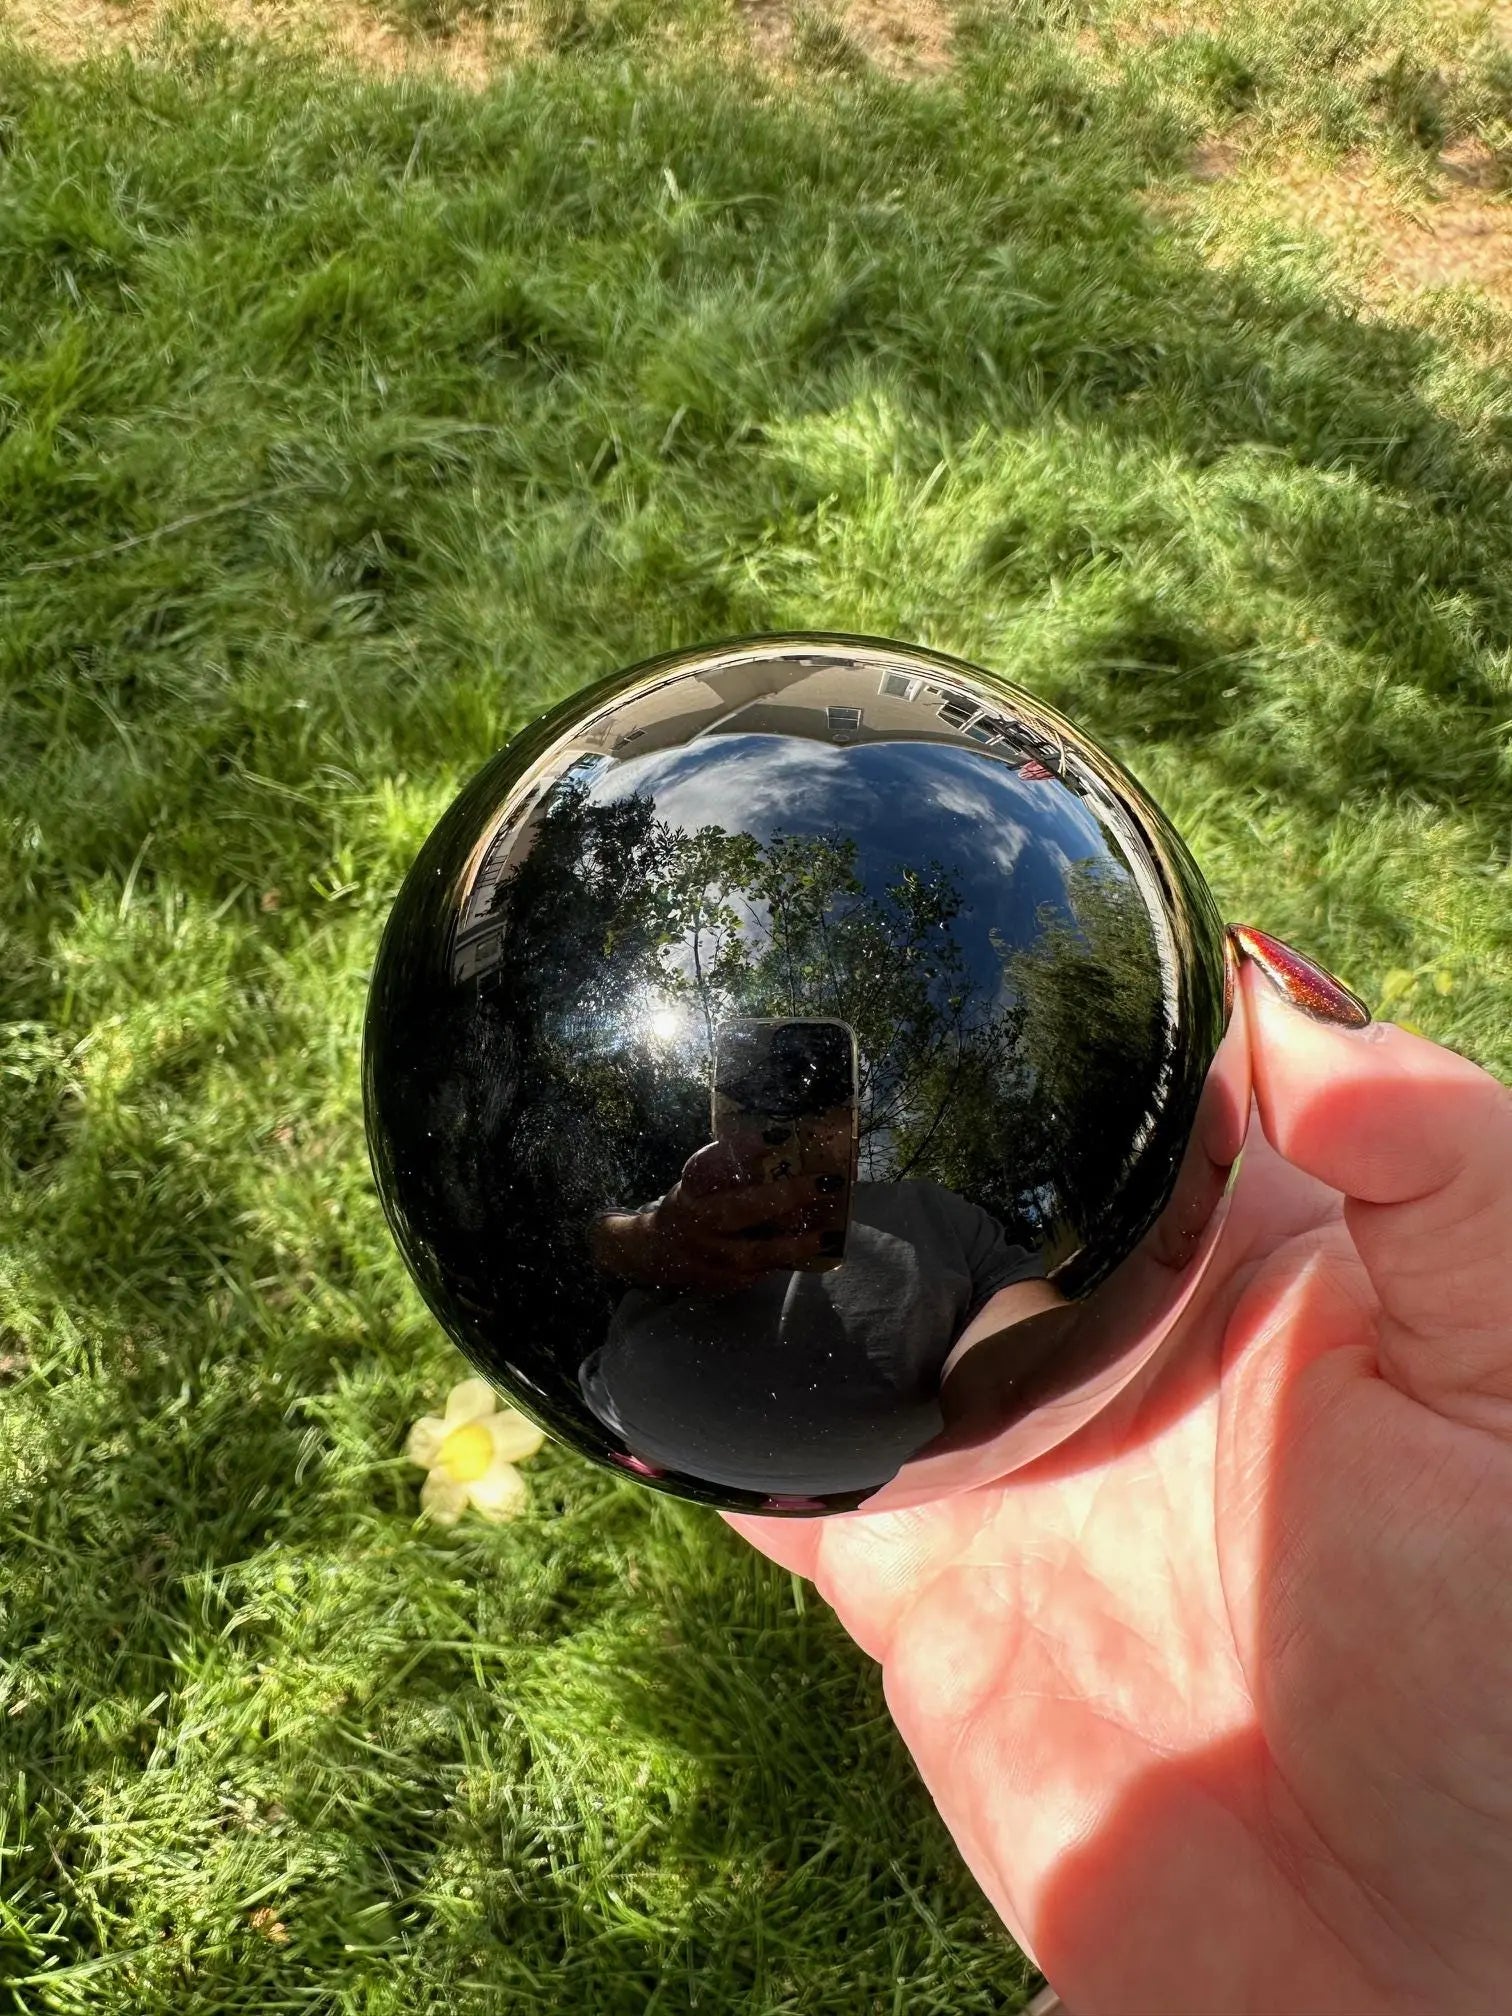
(347, 418)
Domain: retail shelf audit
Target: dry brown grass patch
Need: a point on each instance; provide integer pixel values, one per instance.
(1392, 241)
(1139, 27)
(904, 37)
(769, 28)
(68, 31)
(1214, 160)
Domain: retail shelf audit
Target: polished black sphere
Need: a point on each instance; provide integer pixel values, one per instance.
(802, 1073)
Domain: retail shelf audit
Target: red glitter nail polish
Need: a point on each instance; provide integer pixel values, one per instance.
(1299, 980)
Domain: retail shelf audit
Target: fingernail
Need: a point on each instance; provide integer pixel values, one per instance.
(1299, 980)
(634, 1463)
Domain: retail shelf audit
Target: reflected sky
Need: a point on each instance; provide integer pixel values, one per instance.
(1006, 841)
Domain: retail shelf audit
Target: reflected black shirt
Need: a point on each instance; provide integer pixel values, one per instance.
(809, 1383)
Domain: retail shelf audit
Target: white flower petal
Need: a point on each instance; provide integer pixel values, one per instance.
(500, 1493)
(470, 1402)
(425, 1439)
(442, 1500)
(514, 1438)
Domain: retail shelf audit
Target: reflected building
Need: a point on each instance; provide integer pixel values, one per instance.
(755, 692)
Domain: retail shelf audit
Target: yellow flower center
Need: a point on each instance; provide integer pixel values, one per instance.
(466, 1453)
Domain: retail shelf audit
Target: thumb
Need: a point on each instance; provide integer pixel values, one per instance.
(1419, 1140)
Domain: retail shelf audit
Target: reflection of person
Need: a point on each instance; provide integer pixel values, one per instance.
(726, 1360)
(1217, 1698)
(717, 1230)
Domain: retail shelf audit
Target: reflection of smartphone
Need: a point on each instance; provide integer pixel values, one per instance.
(793, 1083)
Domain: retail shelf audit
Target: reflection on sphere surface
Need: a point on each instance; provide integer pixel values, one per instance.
(796, 1072)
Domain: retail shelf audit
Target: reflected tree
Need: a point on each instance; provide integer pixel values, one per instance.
(1093, 1036)
(998, 1090)
(818, 942)
(1005, 1081)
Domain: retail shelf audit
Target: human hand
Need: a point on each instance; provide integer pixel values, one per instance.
(1216, 1698)
(719, 1228)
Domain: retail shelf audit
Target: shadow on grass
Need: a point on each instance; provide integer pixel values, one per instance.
(522, 407)
(346, 427)
(782, 1802)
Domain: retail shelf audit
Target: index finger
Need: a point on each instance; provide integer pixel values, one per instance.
(726, 1164)
(1419, 1140)
(791, 1204)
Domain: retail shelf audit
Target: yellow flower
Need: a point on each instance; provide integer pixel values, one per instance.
(470, 1452)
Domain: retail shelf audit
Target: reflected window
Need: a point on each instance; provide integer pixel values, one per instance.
(898, 686)
(844, 720)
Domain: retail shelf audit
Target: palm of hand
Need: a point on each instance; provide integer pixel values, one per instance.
(1217, 1700)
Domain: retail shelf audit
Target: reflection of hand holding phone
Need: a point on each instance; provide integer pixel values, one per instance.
(792, 1086)
(771, 1193)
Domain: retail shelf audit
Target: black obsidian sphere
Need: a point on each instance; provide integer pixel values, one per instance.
(802, 1073)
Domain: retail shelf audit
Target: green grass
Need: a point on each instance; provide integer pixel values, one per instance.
(345, 425)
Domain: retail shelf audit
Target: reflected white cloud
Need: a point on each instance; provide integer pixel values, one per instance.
(745, 784)
(1008, 842)
(778, 783)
